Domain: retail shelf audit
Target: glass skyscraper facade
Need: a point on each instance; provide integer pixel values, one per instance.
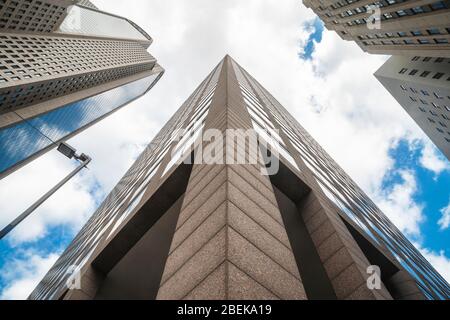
(63, 72)
(25, 139)
(172, 230)
(89, 22)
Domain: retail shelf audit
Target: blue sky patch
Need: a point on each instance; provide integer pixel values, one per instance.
(316, 28)
(433, 193)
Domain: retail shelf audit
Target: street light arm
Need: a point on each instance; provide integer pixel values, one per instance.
(85, 161)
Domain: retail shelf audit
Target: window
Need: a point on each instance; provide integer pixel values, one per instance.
(435, 105)
(438, 96)
(433, 31)
(438, 5)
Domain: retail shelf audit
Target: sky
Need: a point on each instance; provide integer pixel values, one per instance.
(325, 82)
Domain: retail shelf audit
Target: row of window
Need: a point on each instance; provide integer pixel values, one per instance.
(382, 3)
(429, 59)
(405, 42)
(365, 8)
(264, 126)
(424, 74)
(437, 107)
(423, 92)
(439, 5)
(190, 135)
(403, 34)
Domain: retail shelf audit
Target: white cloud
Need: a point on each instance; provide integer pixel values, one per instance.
(24, 274)
(444, 222)
(398, 204)
(432, 160)
(70, 206)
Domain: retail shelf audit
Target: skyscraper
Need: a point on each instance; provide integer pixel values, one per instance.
(64, 65)
(417, 33)
(414, 28)
(422, 87)
(212, 230)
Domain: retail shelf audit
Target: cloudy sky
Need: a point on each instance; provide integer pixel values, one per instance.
(325, 82)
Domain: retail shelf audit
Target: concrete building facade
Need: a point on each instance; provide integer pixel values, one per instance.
(422, 87)
(412, 27)
(60, 64)
(172, 230)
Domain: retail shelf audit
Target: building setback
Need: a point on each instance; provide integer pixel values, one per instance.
(422, 87)
(412, 28)
(227, 231)
(64, 65)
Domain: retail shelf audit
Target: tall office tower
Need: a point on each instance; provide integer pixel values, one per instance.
(223, 230)
(422, 87)
(414, 27)
(64, 65)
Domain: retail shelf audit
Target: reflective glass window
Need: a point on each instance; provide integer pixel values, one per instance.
(89, 22)
(23, 140)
